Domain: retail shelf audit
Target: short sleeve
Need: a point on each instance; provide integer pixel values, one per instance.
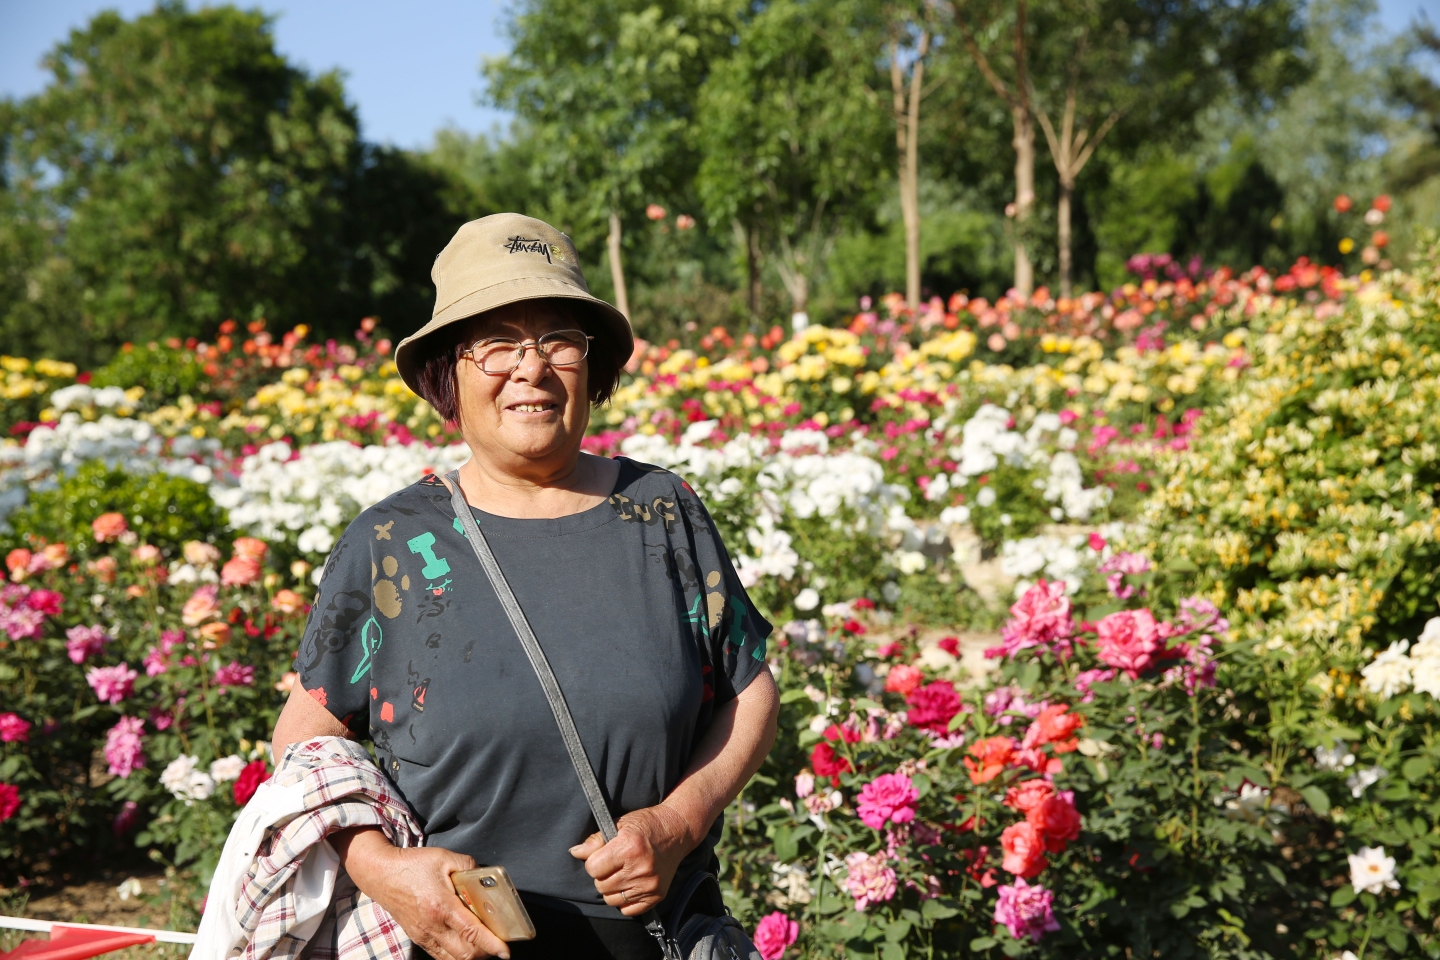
(342, 635)
(738, 634)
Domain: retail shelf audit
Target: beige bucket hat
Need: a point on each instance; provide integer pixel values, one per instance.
(502, 259)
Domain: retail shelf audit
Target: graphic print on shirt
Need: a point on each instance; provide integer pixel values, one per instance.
(435, 567)
(650, 510)
(387, 597)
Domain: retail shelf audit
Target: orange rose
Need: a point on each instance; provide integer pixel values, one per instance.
(252, 548)
(1053, 725)
(903, 679)
(240, 571)
(993, 753)
(1024, 847)
(104, 569)
(1057, 819)
(56, 554)
(18, 561)
(108, 526)
(135, 591)
(214, 634)
(288, 601)
(1028, 795)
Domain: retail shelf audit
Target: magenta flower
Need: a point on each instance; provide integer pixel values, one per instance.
(1040, 618)
(870, 879)
(1131, 640)
(112, 684)
(1120, 566)
(234, 675)
(46, 601)
(9, 801)
(126, 819)
(82, 643)
(22, 623)
(1088, 677)
(157, 659)
(124, 747)
(774, 933)
(889, 797)
(13, 728)
(1026, 910)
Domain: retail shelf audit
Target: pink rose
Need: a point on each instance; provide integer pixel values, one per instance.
(1131, 640)
(9, 801)
(112, 684)
(1028, 795)
(252, 548)
(47, 602)
(234, 675)
(774, 933)
(933, 705)
(14, 728)
(124, 747)
(1026, 911)
(889, 797)
(82, 643)
(870, 879)
(1040, 618)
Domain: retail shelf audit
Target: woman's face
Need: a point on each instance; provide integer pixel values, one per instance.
(536, 413)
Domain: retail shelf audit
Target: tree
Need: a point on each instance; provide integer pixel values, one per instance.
(985, 33)
(909, 43)
(177, 171)
(791, 133)
(606, 91)
(1156, 63)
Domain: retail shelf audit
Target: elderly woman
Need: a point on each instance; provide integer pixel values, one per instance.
(623, 577)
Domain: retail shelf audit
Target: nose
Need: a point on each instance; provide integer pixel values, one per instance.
(532, 368)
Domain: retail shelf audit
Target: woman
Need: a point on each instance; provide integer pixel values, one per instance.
(624, 579)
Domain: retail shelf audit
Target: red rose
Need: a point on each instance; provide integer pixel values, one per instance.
(1053, 725)
(1024, 847)
(9, 801)
(1058, 820)
(249, 781)
(827, 763)
(932, 706)
(835, 732)
(1028, 795)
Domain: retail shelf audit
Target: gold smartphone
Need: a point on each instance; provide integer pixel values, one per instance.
(491, 896)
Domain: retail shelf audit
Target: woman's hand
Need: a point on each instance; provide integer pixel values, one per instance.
(413, 885)
(633, 871)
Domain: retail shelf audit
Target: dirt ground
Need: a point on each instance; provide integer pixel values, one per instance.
(97, 900)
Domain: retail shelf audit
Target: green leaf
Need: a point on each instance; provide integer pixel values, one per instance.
(922, 784)
(893, 951)
(1030, 676)
(1342, 897)
(1318, 800)
(983, 943)
(938, 909)
(1415, 769)
(897, 931)
(790, 696)
(865, 703)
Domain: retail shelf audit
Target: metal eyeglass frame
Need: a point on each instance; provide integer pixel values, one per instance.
(540, 345)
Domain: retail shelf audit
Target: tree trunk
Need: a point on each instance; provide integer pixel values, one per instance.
(752, 267)
(1067, 189)
(907, 142)
(1024, 196)
(617, 269)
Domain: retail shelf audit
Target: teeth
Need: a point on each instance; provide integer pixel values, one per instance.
(532, 407)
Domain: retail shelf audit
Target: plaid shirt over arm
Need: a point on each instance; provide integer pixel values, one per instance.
(278, 909)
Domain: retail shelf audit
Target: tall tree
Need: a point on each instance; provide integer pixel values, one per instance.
(177, 171)
(999, 42)
(1152, 63)
(910, 38)
(606, 91)
(791, 133)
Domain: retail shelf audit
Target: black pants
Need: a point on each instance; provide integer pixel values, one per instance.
(561, 935)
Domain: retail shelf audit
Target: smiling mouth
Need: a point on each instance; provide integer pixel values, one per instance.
(532, 407)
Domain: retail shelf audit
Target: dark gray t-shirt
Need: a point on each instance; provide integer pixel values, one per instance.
(640, 614)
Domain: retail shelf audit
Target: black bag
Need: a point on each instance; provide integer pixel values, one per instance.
(704, 935)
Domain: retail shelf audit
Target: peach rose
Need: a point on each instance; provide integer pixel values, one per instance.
(288, 601)
(201, 554)
(18, 562)
(108, 526)
(252, 548)
(201, 606)
(56, 554)
(147, 554)
(104, 569)
(240, 571)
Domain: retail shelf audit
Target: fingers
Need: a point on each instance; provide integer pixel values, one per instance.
(592, 843)
(464, 937)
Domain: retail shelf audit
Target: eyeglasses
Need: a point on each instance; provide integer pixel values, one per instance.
(562, 348)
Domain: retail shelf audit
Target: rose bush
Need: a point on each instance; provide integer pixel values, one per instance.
(1192, 518)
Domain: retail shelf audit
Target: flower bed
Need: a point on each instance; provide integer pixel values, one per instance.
(1185, 536)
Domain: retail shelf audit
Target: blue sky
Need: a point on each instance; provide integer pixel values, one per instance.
(411, 67)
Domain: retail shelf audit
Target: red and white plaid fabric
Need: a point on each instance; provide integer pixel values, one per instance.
(292, 894)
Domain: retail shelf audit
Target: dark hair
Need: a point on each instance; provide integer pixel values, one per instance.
(439, 353)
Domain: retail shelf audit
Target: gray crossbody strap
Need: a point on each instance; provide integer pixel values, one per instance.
(551, 686)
